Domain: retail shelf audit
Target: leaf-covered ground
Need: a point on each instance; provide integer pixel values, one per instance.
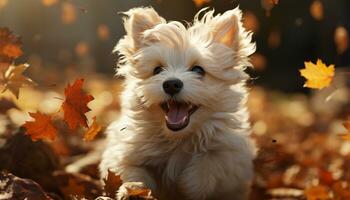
(302, 154)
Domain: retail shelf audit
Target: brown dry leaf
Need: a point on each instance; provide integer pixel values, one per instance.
(68, 14)
(112, 184)
(13, 187)
(75, 105)
(49, 3)
(140, 192)
(76, 185)
(318, 75)
(73, 188)
(316, 10)
(317, 193)
(103, 32)
(341, 190)
(14, 79)
(93, 130)
(341, 39)
(41, 128)
(200, 3)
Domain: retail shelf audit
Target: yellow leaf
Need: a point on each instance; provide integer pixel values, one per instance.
(93, 130)
(14, 79)
(318, 75)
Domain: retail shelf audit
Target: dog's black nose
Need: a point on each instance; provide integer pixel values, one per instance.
(172, 86)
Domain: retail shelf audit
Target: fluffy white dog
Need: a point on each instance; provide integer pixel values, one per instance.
(184, 130)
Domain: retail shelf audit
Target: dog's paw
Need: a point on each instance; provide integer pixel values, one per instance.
(133, 190)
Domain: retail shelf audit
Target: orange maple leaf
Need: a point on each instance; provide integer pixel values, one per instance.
(75, 105)
(318, 75)
(93, 130)
(10, 46)
(41, 128)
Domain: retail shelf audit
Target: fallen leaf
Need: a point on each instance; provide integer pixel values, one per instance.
(42, 127)
(341, 190)
(76, 185)
(112, 184)
(73, 188)
(93, 130)
(318, 192)
(318, 75)
(200, 3)
(75, 105)
(13, 187)
(14, 79)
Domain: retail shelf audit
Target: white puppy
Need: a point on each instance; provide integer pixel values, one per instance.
(184, 130)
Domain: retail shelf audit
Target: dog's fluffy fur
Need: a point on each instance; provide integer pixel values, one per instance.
(211, 158)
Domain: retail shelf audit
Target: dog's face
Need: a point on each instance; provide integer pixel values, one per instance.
(185, 73)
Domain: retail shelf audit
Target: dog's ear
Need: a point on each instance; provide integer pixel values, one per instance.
(137, 21)
(225, 28)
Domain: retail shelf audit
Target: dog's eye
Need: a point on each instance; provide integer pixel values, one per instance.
(198, 70)
(157, 70)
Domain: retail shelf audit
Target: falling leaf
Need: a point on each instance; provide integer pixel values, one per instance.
(341, 39)
(68, 15)
(49, 3)
(12, 51)
(103, 32)
(42, 127)
(317, 193)
(200, 3)
(112, 184)
(93, 130)
(318, 75)
(14, 79)
(10, 46)
(75, 105)
(316, 10)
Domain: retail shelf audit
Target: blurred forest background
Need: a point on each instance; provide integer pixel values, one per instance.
(66, 36)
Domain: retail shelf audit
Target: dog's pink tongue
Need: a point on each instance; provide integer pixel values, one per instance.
(177, 113)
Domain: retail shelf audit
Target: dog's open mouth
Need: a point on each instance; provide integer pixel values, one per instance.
(177, 114)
